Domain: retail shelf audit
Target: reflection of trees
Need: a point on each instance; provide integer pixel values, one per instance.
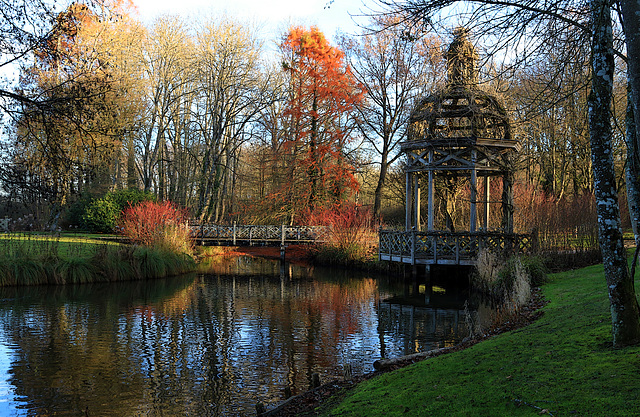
(214, 346)
(71, 345)
(247, 265)
(285, 330)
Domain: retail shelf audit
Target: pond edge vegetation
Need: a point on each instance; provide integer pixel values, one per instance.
(104, 263)
(160, 246)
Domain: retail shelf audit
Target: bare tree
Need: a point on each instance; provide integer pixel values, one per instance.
(231, 91)
(395, 70)
(625, 313)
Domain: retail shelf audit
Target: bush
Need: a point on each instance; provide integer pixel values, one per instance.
(77, 210)
(160, 225)
(535, 267)
(130, 197)
(102, 214)
(352, 237)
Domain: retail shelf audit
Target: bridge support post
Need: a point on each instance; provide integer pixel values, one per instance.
(234, 233)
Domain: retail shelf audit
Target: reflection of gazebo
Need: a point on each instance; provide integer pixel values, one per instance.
(458, 136)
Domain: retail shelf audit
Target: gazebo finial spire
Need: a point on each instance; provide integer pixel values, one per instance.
(462, 60)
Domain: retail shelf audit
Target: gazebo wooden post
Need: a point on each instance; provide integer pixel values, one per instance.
(474, 192)
(486, 202)
(507, 202)
(408, 198)
(416, 190)
(431, 202)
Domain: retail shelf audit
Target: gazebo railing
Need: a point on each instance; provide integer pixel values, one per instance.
(441, 247)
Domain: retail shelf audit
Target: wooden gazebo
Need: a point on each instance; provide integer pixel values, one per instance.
(457, 137)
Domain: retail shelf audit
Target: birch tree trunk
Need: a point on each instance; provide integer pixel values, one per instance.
(631, 26)
(632, 169)
(624, 305)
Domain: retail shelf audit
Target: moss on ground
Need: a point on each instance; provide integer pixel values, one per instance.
(562, 364)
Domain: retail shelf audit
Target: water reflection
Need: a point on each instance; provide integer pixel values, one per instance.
(212, 344)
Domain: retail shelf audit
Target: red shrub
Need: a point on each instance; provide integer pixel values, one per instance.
(162, 225)
(351, 226)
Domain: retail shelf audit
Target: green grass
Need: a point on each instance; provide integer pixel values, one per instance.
(563, 364)
(36, 259)
(65, 244)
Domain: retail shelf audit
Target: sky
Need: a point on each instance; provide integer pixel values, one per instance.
(274, 15)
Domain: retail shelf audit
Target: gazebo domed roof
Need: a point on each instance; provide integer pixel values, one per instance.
(461, 114)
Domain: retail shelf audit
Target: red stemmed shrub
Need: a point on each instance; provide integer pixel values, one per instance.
(352, 235)
(161, 225)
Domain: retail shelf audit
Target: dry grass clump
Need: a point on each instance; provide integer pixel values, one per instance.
(507, 281)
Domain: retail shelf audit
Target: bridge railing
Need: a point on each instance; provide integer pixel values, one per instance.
(259, 233)
(440, 247)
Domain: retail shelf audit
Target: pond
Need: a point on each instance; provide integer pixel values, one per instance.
(212, 344)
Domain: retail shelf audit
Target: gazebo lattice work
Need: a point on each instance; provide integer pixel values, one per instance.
(460, 135)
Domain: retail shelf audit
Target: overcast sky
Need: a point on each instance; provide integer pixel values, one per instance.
(275, 15)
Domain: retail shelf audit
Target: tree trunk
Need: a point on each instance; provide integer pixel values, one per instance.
(382, 178)
(631, 26)
(632, 169)
(132, 179)
(314, 164)
(624, 305)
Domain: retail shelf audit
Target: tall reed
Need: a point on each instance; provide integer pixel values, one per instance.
(507, 281)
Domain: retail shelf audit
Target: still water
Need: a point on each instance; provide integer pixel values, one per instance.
(212, 344)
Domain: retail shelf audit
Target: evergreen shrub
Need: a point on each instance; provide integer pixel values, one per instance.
(103, 214)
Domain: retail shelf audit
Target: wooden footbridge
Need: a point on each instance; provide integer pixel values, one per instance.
(448, 248)
(214, 234)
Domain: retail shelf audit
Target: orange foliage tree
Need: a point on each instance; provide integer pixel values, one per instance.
(322, 95)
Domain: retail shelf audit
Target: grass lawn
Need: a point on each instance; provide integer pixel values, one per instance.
(562, 365)
(65, 244)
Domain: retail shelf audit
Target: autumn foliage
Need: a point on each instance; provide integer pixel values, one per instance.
(353, 234)
(322, 93)
(161, 225)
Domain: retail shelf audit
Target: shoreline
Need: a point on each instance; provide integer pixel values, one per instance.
(314, 401)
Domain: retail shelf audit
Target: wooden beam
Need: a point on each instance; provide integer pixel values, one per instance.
(407, 214)
(487, 191)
